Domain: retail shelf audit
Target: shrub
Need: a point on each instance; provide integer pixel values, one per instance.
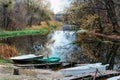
(7, 51)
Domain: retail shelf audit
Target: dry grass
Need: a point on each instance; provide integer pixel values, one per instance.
(7, 51)
(45, 25)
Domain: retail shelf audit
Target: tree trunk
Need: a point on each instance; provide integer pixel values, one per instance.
(110, 7)
(111, 56)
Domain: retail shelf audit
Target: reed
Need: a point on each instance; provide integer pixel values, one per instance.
(7, 51)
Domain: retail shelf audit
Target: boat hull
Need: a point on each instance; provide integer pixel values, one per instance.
(114, 78)
(48, 60)
(83, 69)
(25, 59)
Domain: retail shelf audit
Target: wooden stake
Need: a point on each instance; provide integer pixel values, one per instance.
(16, 71)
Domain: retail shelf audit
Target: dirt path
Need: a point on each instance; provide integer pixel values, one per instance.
(6, 73)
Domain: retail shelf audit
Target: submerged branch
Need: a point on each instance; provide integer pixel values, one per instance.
(110, 36)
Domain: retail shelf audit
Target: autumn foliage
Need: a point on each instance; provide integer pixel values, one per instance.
(100, 18)
(7, 51)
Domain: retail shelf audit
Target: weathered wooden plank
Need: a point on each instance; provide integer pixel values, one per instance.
(90, 75)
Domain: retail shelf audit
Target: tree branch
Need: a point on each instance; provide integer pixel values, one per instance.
(112, 36)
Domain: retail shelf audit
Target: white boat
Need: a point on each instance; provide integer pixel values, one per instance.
(114, 78)
(28, 58)
(84, 69)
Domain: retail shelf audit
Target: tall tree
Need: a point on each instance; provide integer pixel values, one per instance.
(17, 14)
(99, 18)
(111, 14)
(5, 7)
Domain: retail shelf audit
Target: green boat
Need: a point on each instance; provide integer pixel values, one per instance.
(47, 60)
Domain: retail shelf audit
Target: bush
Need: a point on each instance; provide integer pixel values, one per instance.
(7, 51)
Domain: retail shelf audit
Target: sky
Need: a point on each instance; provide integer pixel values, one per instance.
(58, 5)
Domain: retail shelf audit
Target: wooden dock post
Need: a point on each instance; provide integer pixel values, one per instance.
(97, 71)
(15, 71)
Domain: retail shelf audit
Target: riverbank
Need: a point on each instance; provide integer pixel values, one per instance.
(6, 73)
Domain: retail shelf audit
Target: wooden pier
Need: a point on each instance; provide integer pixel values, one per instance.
(92, 75)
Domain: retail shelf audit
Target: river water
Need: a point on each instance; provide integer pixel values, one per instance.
(60, 43)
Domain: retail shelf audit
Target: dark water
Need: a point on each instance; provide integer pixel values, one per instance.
(60, 44)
